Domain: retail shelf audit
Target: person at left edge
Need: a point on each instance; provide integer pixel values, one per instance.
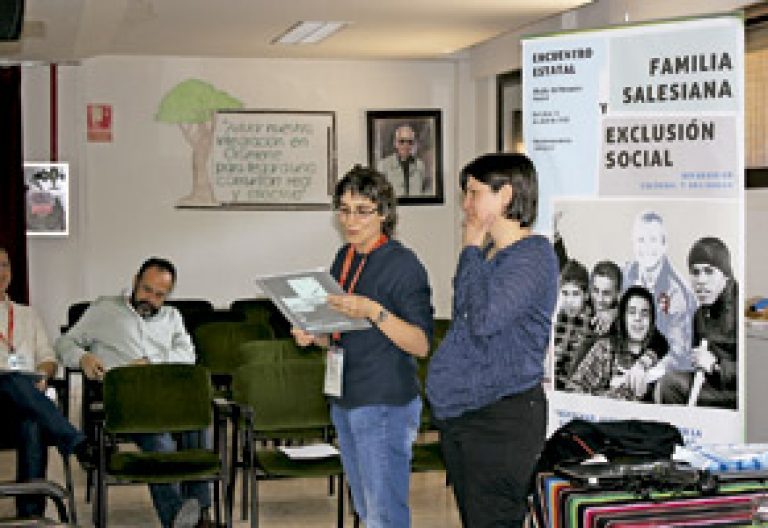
(29, 416)
(377, 416)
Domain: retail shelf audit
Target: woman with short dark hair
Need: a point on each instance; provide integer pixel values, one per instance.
(484, 382)
(376, 414)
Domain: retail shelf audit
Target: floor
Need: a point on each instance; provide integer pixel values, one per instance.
(294, 503)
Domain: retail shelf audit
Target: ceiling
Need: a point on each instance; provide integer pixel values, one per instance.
(70, 30)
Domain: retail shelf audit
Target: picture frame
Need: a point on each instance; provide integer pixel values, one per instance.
(415, 135)
(46, 199)
(509, 112)
(270, 160)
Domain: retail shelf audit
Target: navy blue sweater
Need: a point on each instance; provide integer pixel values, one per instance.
(375, 370)
(502, 317)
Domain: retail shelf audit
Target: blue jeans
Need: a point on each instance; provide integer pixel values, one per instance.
(376, 446)
(38, 424)
(168, 498)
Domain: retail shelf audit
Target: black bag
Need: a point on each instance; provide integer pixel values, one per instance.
(621, 440)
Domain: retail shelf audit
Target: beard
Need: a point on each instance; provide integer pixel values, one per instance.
(144, 308)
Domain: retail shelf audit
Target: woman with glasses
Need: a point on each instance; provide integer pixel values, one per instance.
(377, 407)
(484, 381)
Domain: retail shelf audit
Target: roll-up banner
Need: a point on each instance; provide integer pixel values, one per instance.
(637, 133)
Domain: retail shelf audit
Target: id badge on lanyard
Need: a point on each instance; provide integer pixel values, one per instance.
(334, 371)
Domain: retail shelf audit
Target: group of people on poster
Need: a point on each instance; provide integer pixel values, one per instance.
(643, 331)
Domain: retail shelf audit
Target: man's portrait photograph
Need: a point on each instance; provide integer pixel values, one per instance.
(405, 145)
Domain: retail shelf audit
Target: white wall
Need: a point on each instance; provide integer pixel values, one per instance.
(125, 190)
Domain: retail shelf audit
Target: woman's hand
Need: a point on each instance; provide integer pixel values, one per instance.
(476, 228)
(355, 306)
(304, 338)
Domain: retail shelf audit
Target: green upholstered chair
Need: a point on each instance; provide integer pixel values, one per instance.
(168, 398)
(282, 400)
(276, 350)
(260, 310)
(440, 329)
(194, 312)
(217, 346)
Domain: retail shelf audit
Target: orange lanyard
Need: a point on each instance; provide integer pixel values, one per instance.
(347, 266)
(8, 336)
(348, 263)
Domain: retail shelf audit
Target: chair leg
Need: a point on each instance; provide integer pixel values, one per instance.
(216, 502)
(88, 485)
(254, 495)
(340, 507)
(70, 490)
(227, 506)
(247, 466)
(100, 499)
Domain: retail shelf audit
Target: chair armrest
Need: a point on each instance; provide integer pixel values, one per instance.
(34, 487)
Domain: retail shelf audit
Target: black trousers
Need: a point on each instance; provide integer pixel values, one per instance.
(490, 455)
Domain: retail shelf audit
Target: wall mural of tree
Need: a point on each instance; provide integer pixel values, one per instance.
(191, 105)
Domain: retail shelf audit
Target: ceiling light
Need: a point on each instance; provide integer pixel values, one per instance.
(309, 32)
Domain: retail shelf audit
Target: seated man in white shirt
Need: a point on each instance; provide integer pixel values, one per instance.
(139, 329)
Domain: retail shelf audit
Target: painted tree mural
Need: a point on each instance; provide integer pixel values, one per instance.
(191, 105)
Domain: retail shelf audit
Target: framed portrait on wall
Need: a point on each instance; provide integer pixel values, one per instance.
(47, 198)
(406, 146)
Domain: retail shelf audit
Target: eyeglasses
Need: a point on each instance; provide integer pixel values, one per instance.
(409, 141)
(360, 212)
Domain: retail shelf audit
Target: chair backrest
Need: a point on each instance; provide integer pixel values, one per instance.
(194, 312)
(217, 343)
(286, 395)
(157, 398)
(263, 310)
(440, 329)
(74, 313)
(277, 350)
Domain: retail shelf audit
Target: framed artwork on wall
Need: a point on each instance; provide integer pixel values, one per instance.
(47, 198)
(271, 160)
(406, 146)
(509, 112)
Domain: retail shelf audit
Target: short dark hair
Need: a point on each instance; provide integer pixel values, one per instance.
(712, 251)
(160, 263)
(517, 170)
(370, 183)
(608, 268)
(575, 272)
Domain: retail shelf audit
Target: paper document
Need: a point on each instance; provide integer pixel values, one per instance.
(302, 298)
(310, 452)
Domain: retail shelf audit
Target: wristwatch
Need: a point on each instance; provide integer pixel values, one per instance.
(383, 314)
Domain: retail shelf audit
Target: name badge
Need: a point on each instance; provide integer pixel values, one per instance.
(334, 369)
